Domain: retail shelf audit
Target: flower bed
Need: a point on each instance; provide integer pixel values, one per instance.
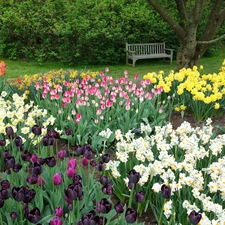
(177, 174)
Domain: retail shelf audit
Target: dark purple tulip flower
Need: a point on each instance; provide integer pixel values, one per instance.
(89, 218)
(29, 195)
(50, 161)
(104, 180)
(33, 215)
(26, 156)
(56, 221)
(36, 169)
(107, 189)
(106, 158)
(5, 184)
(41, 161)
(166, 191)
(17, 167)
(54, 134)
(2, 143)
(119, 207)
(1, 202)
(18, 193)
(10, 132)
(77, 179)
(88, 153)
(5, 193)
(93, 163)
(36, 130)
(131, 215)
(100, 220)
(101, 166)
(74, 191)
(6, 153)
(104, 206)
(140, 196)
(9, 162)
(133, 176)
(194, 217)
(79, 150)
(18, 142)
(13, 215)
(48, 141)
(32, 179)
(68, 132)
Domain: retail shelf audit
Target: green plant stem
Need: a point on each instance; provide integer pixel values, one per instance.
(131, 197)
(161, 213)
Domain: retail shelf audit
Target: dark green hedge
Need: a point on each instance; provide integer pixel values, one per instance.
(79, 32)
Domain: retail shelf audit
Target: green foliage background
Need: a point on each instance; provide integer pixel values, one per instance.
(81, 31)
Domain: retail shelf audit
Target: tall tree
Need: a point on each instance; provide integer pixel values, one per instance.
(192, 47)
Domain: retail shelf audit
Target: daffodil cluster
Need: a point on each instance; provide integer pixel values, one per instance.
(22, 116)
(189, 161)
(203, 94)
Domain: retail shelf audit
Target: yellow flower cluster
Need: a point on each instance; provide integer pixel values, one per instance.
(56, 77)
(208, 88)
(180, 108)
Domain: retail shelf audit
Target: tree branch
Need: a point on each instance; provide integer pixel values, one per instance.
(197, 10)
(211, 41)
(165, 15)
(181, 6)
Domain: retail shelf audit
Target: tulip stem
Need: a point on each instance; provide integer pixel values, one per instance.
(131, 197)
(161, 213)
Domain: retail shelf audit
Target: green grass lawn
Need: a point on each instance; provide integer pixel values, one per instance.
(20, 68)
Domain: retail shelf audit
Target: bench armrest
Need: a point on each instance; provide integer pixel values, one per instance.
(169, 49)
(130, 53)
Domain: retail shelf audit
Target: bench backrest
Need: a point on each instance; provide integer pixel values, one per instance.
(146, 49)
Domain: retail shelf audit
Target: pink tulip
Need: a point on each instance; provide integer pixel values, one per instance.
(72, 163)
(56, 221)
(78, 116)
(70, 172)
(84, 161)
(57, 179)
(58, 211)
(33, 158)
(40, 182)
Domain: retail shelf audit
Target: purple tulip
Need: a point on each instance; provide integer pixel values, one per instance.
(194, 217)
(140, 196)
(84, 161)
(100, 166)
(107, 189)
(133, 177)
(119, 207)
(72, 163)
(51, 161)
(29, 195)
(17, 167)
(6, 153)
(93, 163)
(48, 141)
(5, 193)
(74, 191)
(88, 219)
(104, 180)
(131, 215)
(58, 211)
(106, 158)
(18, 142)
(33, 215)
(69, 132)
(70, 172)
(57, 179)
(63, 154)
(77, 179)
(5, 184)
(100, 220)
(79, 149)
(13, 215)
(34, 158)
(32, 179)
(36, 169)
(56, 221)
(26, 156)
(9, 162)
(36, 130)
(88, 152)
(10, 132)
(2, 143)
(104, 206)
(166, 191)
(18, 193)
(54, 134)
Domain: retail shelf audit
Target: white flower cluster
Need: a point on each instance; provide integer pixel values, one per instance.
(22, 117)
(106, 133)
(181, 159)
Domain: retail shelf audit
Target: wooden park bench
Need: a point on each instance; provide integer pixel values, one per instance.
(147, 51)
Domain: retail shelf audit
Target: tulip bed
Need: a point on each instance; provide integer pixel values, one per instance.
(72, 142)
